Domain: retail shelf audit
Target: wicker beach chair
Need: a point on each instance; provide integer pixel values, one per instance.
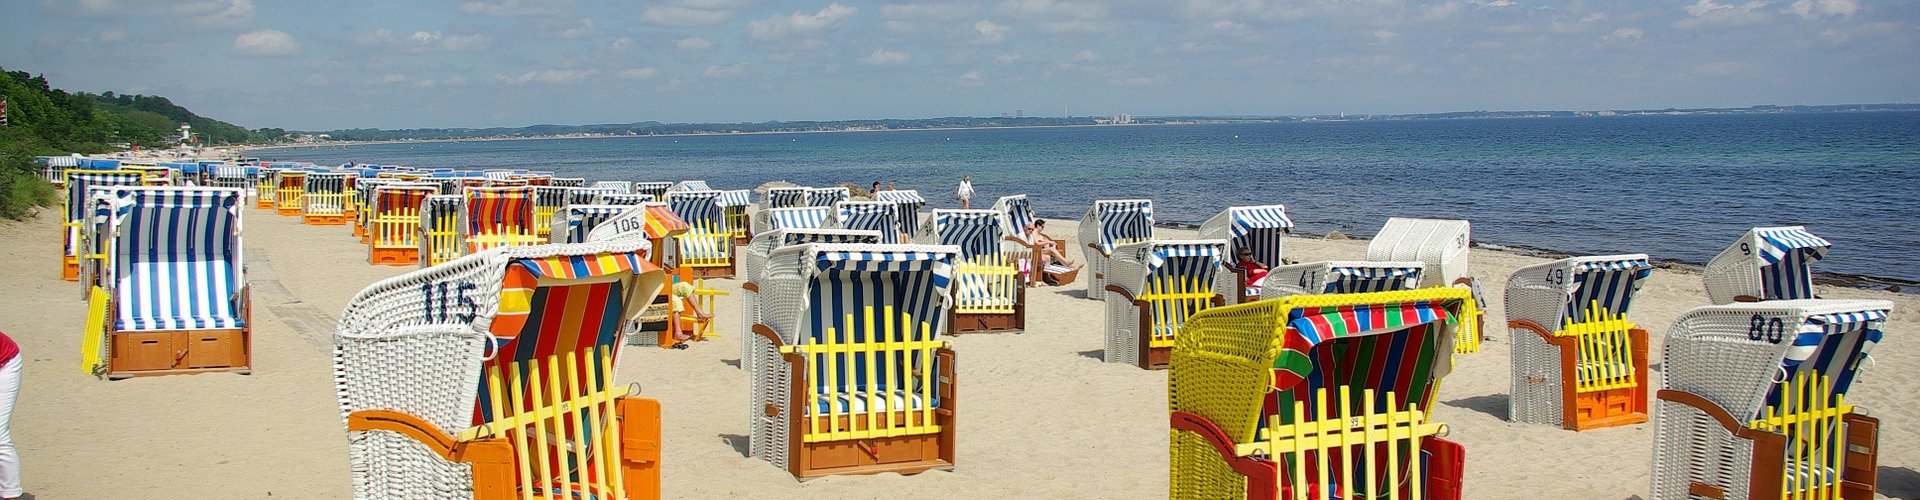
(54, 168)
(546, 201)
(1577, 362)
(828, 196)
(793, 218)
(363, 194)
(492, 376)
(497, 216)
(96, 236)
(1153, 287)
(573, 223)
(737, 206)
(853, 377)
(787, 197)
(1767, 263)
(989, 293)
(706, 249)
(908, 203)
(623, 199)
(323, 201)
(78, 185)
(290, 197)
(753, 264)
(588, 195)
(173, 295)
(869, 216)
(690, 185)
(622, 187)
(1342, 276)
(440, 233)
(573, 182)
(1754, 402)
(228, 175)
(1316, 396)
(396, 211)
(658, 190)
(1261, 229)
(1108, 224)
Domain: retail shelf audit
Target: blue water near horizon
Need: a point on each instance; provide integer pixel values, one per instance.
(1674, 187)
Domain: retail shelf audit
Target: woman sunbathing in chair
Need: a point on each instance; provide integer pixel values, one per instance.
(1044, 244)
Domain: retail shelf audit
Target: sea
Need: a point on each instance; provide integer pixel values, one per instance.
(1677, 187)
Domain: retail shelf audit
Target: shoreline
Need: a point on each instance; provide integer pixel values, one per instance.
(682, 134)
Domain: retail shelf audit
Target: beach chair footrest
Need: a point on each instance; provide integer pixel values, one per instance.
(989, 322)
(898, 454)
(172, 352)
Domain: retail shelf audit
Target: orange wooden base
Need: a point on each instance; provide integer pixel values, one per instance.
(1598, 409)
(323, 220)
(710, 272)
(169, 352)
(70, 268)
(494, 461)
(289, 211)
(394, 256)
(264, 204)
(1610, 408)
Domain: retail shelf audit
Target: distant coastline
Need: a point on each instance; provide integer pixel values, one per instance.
(658, 129)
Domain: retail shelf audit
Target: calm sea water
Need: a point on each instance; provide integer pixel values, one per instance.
(1674, 187)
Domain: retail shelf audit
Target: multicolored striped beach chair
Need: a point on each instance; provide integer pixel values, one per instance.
(173, 296)
(440, 233)
(827, 196)
(1260, 229)
(1754, 402)
(787, 197)
(869, 216)
(988, 292)
(1342, 276)
(1316, 396)
(1577, 362)
(290, 197)
(1154, 288)
(492, 377)
(853, 377)
(78, 186)
(907, 202)
(706, 249)
(323, 202)
(395, 221)
(658, 190)
(546, 201)
(1108, 224)
(1767, 263)
(737, 206)
(753, 264)
(497, 216)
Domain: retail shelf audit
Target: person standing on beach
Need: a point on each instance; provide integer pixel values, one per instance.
(965, 193)
(9, 388)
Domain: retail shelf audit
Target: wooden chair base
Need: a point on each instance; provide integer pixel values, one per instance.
(711, 272)
(289, 211)
(70, 268)
(173, 352)
(394, 256)
(323, 220)
(900, 455)
(264, 205)
(1600, 409)
(988, 322)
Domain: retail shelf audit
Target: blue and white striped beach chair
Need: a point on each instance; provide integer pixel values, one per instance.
(692, 185)
(588, 195)
(658, 190)
(907, 202)
(175, 285)
(753, 264)
(787, 197)
(827, 196)
(228, 175)
(623, 187)
(1767, 263)
(1154, 287)
(1109, 224)
(706, 249)
(853, 377)
(623, 199)
(572, 223)
(1016, 213)
(869, 216)
(989, 294)
(1572, 313)
(1342, 276)
(797, 218)
(1755, 401)
(572, 182)
(736, 205)
(1261, 229)
(77, 186)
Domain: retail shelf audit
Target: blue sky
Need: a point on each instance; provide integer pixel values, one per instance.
(477, 63)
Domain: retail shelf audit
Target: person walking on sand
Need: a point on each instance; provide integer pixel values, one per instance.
(9, 388)
(965, 193)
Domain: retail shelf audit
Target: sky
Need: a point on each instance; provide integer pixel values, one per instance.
(481, 63)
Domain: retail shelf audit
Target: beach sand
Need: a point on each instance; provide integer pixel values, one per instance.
(1039, 415)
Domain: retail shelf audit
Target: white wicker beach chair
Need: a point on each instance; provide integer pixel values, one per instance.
(658, 190)
(54, 168)
(1577, 362)
(1754, 401)
(573, 223)
(621, 187)
(96, 234)
(173, 295)
(753, 263)
(1108, 224)
(989, 291)
(1152, 288)
(548, 200)
(1342, 276)
(228, 175)
(869, 216)
(795, 218)
(1767, 263)
(737, 206)
(573, 182)
(706, 249)
(77, 186)
(482, 378)
(1261, 229)
(853, 377)
(693, 185)
(907, 202)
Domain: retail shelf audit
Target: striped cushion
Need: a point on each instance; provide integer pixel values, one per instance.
(177, 261)
(855, 402)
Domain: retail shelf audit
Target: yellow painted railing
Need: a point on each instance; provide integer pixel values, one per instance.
(264, 191)
(1367, 453)
(502, 235)
(1173, 299)
(1466, 337)
(324, 204)
(1605, 349)
(559, 413)
(986, 284)
(703, 299)
(543, 219)
(737, 221)
(897, 356)
(704, 245)
(398, 228)
(443, 239)
(292, 193)
(1813, 420)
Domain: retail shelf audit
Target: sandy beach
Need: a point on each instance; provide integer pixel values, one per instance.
(1040, 415)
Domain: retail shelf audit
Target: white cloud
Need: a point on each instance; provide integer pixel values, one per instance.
(1087, 56)
(517, 8)
(881, 57)
(1709, 13)
(113, 36)
(1623, 34)
(728, 71)
(219, 14)
(1055, 16)
(1815, 9)
(1384, 34)
(990, 33)
(1006, 59)
(424, 84)
(693, 12)
(547, 76)
(647, 73)
(393, 78)
(779, 27)
(265, 43)
(928, 11)
(422, 41)
(693, 44)
(583, 29)
(971, 79)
